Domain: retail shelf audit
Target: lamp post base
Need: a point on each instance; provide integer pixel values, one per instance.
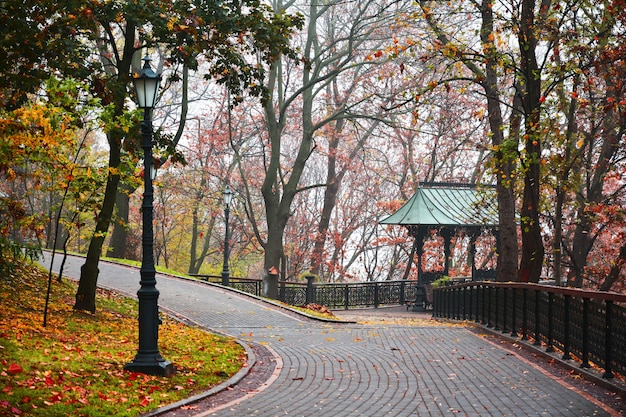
(150, 365)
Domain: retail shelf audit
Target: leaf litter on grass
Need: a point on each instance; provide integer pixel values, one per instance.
(74, 365)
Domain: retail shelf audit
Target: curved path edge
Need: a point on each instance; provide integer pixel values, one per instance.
(250, 348)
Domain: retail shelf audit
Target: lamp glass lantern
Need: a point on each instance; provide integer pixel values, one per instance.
(146, 84)
(228, 196)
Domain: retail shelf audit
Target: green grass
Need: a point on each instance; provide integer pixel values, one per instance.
(74, 366)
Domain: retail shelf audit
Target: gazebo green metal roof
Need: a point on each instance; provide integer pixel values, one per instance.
(447, 204)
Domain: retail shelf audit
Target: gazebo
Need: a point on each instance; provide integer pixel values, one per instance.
(448, 208)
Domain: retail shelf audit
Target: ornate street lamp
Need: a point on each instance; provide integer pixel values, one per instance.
(148, 359)
(228, 197)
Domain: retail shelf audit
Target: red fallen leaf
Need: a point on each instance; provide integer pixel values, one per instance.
(102, 396)
(49, 381)
(55, 398)
(16, 411)
(14, 368)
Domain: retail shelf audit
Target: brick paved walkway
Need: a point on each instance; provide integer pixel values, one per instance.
(328, 369)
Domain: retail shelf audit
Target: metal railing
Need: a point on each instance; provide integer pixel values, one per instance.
(333, 295)
(589, 326)
(249, 285)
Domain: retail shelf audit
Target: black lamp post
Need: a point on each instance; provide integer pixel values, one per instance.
(228, 197)
(148, 359)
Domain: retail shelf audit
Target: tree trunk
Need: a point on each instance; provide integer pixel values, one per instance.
(86, 293)
(115, 93)
(584, 239)
(616, 267)
(330, 200)
(532, 244)
(117, 245)
(569, 164)
(197, 259)
(505, 155)
(194, 265)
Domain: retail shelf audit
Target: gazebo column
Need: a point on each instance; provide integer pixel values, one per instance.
(420, 235)
(447, 238)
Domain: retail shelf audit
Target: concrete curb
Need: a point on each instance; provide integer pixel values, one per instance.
(234, 380)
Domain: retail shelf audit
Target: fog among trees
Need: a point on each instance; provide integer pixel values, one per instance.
(323, 118)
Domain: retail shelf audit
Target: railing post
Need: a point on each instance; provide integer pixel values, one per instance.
(566, 327)
(483, 291)
(346, 296)
(514, 312)
(438, 302)
(402, 289)
(550, 334)
(464, 291)
(497, 307)
(489, 297)
(476, 303)
(504, 307)
(585, 352)
(455, 303)
(376, 295)
(525, 314)
(608, 345)
(537, 320)
(310, 289)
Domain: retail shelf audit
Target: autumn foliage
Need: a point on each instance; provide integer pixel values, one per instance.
(74, 366)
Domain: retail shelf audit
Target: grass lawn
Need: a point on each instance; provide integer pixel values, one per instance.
(74, 365)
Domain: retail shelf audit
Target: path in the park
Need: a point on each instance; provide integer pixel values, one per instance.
(330, 369)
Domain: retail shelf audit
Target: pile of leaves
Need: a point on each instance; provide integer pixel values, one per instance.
(319, 308)
(74, 365)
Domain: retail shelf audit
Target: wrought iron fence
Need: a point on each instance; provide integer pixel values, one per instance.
(589, 326)
(248, 285)
(332, 295)
(365, 294)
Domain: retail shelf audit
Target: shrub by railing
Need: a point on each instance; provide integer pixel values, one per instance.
(588, 325)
